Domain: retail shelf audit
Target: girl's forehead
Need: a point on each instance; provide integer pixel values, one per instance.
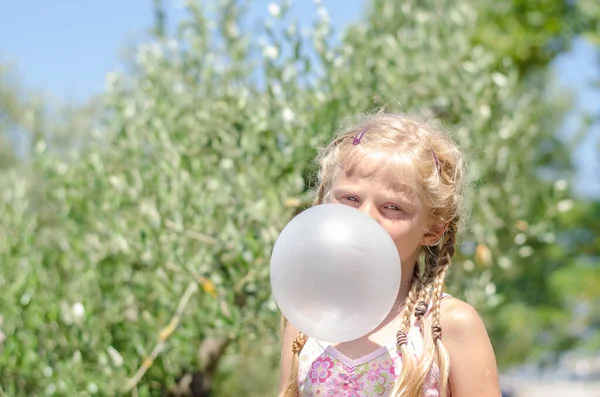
(395, 173)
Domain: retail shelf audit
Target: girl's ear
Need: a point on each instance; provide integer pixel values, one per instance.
(433, 234)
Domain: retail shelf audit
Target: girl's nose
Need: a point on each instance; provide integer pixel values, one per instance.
(370, 210)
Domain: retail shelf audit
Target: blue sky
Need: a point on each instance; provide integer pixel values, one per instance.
(64, 48)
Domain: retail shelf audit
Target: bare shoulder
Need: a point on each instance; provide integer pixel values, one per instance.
(473, 370)
(459, 319)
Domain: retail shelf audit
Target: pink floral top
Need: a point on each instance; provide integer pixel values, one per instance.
(324, 371)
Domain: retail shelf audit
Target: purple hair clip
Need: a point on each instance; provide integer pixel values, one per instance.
(437, 163)
(358, 137)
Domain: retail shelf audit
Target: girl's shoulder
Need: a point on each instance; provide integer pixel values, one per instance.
(456, 315)
(461, 326)
(473, 370)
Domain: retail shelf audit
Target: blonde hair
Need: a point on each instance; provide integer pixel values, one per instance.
(394, 143)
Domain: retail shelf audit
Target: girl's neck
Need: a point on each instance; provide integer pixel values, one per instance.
(398, 307)
(405, 286)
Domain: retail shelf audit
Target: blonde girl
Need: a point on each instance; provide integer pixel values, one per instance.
(408, 175)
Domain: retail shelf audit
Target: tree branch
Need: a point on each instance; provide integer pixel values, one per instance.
(162, 337)
(203, 238)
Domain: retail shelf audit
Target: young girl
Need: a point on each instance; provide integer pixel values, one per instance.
(408, 175)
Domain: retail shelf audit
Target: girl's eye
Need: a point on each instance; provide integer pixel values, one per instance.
(394, 207)
(352, 198)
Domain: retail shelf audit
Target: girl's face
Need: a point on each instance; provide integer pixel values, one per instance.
(398, 210)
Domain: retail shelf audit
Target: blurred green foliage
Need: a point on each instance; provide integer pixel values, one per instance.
(130, 253)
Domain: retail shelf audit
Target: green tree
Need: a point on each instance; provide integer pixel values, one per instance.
(11, 112)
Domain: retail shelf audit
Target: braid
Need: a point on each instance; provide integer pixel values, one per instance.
(299, 342)
(405, 386)
(291, 388)
(444, 261)
(431, 258)
(422, 302)
(407, 314)
(428, 288)
(432, 254)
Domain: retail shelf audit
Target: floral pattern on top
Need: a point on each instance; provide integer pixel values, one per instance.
(324, 371)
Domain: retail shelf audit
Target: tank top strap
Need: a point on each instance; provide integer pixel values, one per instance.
(443, 295)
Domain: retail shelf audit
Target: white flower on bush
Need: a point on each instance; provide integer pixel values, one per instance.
(525, 251)
(92, 388)
(520, 239)
(226, 163)
(212, 184)
(549, 237)
(289, 72)
(561, 185)
(115, 356)
(469, 265)
(40, 147)
(50, 389)
(129, 110)
(25, 299)
(276, 89)
(288, 115)
(61, 168)
(178, 88)
(565, 205)
(47, 372)
(504, 263)
(499, 79)
(172, 45)
(117, 183)
(112, 81)
(338, 61)
(232, 29)
(421, 17)
(77, 311)
(271, 305)
(75, 315)
(485, 111)
(146, 257)
(120, 244)
(183, 4)
(292, 29)
(274, 9)
(150, 212)
(319, 96)
(248, 256)
(323, 14)
(148, 53)
(271, 52)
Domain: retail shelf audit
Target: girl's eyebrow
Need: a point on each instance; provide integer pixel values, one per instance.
(401, 193)
(401, 196)
(347, 187)
(404, 196)
(402, 189)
